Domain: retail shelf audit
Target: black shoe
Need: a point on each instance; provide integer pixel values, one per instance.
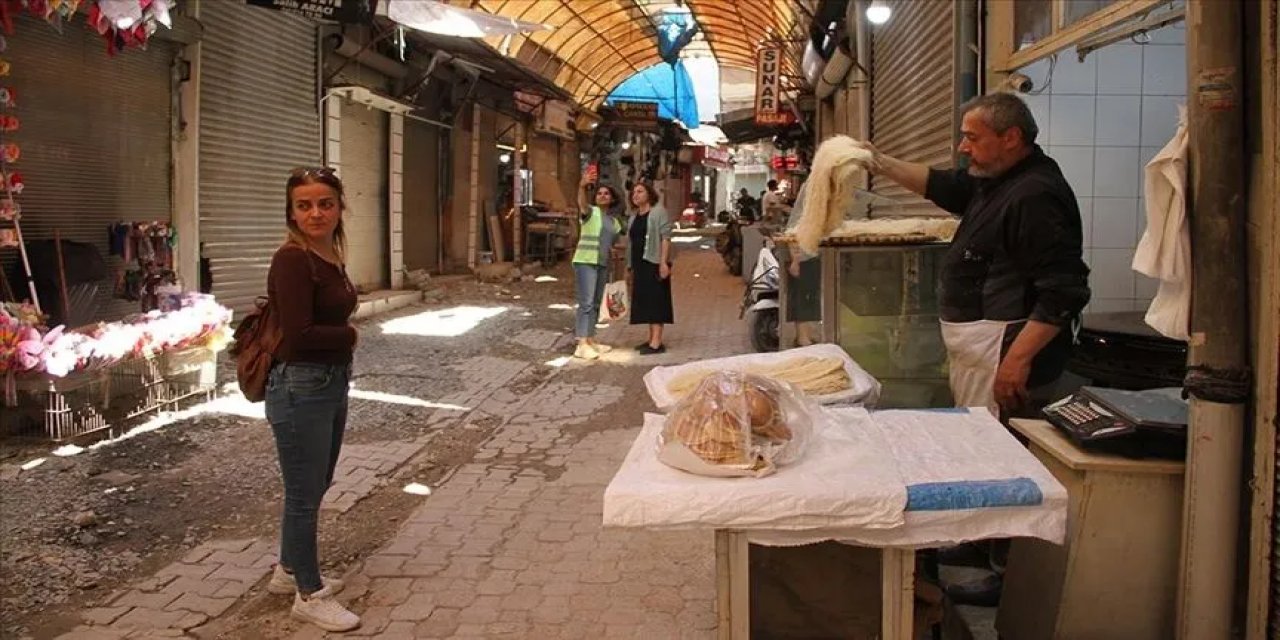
(642, 346)
(968, 554)
(647, 350)
(984, 592)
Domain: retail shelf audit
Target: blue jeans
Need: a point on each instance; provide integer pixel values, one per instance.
(589, 281)
(307, 409)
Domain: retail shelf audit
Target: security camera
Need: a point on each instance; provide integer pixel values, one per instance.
(1018, 83)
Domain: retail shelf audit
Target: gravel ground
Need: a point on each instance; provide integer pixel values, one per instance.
(76, 528)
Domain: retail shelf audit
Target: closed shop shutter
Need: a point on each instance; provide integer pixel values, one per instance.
(913, 92)
(363, 164)
(94, 138)
(258, 120)
(422, 165)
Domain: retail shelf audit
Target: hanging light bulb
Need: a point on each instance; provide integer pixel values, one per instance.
(504, 158)
(878, 12)
(626, 145)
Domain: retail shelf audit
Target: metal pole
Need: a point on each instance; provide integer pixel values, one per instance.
(1217, 377)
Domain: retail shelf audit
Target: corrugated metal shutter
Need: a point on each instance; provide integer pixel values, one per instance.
(364, 175)
(913, 92)
(258, 120)
(94, 137)
(422, 162)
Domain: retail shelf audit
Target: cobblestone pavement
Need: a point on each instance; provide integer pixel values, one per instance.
(509, 545)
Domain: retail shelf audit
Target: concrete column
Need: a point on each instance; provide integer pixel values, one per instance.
(186, 166)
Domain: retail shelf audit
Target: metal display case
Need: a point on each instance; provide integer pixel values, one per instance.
(880, 304)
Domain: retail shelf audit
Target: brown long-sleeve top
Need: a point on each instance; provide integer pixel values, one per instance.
(314, 300)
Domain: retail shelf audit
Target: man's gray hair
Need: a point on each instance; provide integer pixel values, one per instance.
(1003, 111)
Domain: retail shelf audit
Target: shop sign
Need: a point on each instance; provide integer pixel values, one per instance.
(768, 84)
(715, 157)
(637, 111)
(785, 163)
(332, 10)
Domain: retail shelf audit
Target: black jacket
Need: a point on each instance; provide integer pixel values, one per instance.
(1017, 254)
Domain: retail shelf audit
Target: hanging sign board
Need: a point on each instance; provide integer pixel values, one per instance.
(768, 85)
(637, 114)
(331, 10)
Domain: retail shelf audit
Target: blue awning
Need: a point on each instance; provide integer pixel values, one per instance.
(668, 85)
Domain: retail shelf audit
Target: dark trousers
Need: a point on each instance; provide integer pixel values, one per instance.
(307, 408)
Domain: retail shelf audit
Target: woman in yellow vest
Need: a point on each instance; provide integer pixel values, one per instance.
(598, 230)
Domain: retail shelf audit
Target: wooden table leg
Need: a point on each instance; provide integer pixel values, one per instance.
(897, 584)
(733, 598)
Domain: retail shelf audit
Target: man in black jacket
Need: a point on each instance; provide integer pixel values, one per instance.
(1013, 281)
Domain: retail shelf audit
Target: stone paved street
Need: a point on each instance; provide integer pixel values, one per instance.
(507, 545)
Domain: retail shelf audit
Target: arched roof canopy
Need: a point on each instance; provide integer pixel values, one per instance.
(597, 44)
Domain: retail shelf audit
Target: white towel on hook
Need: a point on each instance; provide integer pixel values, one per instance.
(1164, 252)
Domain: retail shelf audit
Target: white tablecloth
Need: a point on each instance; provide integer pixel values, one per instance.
(887, 479)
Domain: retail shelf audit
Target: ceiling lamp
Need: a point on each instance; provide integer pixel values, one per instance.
(878, 12)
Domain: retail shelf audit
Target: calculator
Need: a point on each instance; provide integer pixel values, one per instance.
(1096, 415)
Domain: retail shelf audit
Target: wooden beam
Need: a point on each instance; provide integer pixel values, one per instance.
(1264, 229)
(1051, 44)
(998, 42)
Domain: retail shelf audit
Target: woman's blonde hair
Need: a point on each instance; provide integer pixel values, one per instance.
(329, 178)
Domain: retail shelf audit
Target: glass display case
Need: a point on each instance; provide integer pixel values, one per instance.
(880, 304)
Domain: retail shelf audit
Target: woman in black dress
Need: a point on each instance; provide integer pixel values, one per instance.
(649, 259)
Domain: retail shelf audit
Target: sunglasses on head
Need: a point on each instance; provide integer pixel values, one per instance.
(314, 172)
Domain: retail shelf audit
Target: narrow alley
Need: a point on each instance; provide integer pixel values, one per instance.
(509, 541)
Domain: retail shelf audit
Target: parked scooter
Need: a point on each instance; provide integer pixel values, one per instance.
(761, 300)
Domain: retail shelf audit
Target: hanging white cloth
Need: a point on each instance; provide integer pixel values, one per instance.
(1164, 252)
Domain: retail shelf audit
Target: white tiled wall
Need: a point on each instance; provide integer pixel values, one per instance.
(1102, 120)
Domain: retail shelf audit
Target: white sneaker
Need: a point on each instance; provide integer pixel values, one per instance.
(586, 352)
(601, 347)
(322, 610)
(283, 582)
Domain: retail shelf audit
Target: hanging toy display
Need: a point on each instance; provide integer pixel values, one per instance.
(8, 98)
(146, 248)
(10, 152)
(9, 210)
(122, 23)
(129, 23)
(13, 183)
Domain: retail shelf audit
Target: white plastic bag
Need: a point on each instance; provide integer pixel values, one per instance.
(737, 424)
(616, 302)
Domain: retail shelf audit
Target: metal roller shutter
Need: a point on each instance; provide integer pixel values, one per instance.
(913, 92)
(258, 120)
(94, 138)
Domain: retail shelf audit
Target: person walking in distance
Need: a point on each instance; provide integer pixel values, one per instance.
(1013, 280)
(649, 237)
(598, 231)
(306, 401)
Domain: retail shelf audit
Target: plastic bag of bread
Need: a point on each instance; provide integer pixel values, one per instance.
(736, 424)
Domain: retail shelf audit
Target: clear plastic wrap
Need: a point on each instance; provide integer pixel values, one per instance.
(737, 424)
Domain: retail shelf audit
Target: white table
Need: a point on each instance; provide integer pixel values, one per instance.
(909, 481)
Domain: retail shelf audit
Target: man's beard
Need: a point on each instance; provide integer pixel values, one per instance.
(981, 172)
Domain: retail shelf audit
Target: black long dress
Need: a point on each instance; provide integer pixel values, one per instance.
(651, 294)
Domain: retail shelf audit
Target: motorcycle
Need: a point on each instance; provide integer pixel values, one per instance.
(729, 245)
(761, 300)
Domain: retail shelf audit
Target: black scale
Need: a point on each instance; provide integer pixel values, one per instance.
(1132, 423)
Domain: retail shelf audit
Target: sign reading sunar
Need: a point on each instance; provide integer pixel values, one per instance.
(768, 84)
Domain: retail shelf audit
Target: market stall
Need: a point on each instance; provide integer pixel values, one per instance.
(73, 382)
(892, 480)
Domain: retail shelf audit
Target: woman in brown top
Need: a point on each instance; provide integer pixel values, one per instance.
(307, 389)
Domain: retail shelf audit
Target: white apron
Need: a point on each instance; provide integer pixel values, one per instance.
(973, 354)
